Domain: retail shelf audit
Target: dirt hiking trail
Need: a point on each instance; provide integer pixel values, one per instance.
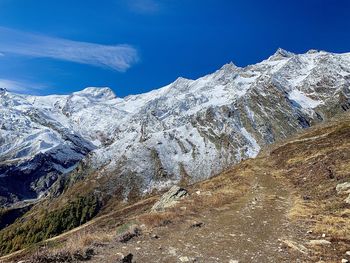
(250, 229)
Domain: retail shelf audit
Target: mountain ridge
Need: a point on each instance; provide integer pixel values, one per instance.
(188, 129)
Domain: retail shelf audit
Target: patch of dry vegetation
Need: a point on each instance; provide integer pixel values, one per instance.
(159, 219)
(82, 240)
(314, 163)
(77, 247)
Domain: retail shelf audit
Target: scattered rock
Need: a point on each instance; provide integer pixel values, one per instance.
(320, 242)
(127, 258)
(196, 224)
(154, 236)
(343, 188)
(86, 254)
(347, 253)
(306, 197)
(172, 251)
(170, 198)
(233, 261)
(323, 235)
(128, 235)
(294, 246)
(184, 259)
(347, 200)
(344, 260)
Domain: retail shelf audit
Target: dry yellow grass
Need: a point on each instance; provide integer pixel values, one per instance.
(300, 209)
(83, 240)
(333, 226)
(159, 219)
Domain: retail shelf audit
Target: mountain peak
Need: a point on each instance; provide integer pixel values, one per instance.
(228, 68)
(180, 81)
(281, 53)
(312, 51)
(97, 93)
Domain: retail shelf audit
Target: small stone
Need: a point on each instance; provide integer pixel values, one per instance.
(347, 200)
(343, 188)
(155, 236)
(198, 192)
(321, 242)
(196, 224)
(127, 259)
(184, 259)
(233, 261)
(306, 197)
(347, 253)
(309, 232)
(172, 251)
(344, 260)
(323, 235)
(294, 246)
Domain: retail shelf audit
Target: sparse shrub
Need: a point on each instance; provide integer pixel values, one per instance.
(158, 219)
(47, 256)
(83, 240)
(129, 234)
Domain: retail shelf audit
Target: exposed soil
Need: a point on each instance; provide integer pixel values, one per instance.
(250, 229)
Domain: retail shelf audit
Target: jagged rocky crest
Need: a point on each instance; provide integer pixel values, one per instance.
(188, 130)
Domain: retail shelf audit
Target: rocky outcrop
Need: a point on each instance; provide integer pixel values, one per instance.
(170, 198)
(343, 188)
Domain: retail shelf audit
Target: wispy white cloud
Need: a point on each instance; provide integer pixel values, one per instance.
(116, 57)
(144, 6)
(21, 86)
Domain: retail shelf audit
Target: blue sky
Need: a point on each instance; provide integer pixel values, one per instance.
(133, 46)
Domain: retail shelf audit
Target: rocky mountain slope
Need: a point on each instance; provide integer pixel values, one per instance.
(289, 204)
(186, 131)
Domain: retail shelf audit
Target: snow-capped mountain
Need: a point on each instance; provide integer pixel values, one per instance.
(188, 130)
